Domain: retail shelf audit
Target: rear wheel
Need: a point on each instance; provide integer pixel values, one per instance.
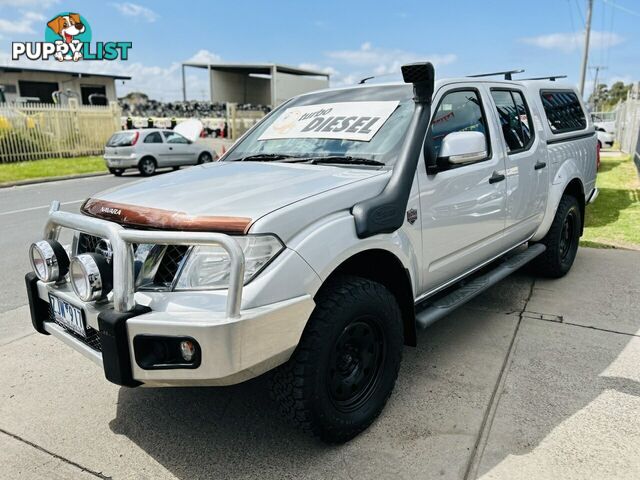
(561, 240)
(344, 369)
(176, 168)
(116, 171)
(205, 157)
(147, 166)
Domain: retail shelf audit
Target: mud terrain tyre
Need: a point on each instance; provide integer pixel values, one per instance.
(344, 369)
(561, 240)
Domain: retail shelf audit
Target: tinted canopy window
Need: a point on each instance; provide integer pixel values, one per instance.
(563, 111)
(514, 119)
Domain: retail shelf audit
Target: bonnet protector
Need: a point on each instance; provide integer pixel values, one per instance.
(385, 213)
(156, 218)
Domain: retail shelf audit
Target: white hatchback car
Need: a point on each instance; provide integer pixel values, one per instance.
(150, 148)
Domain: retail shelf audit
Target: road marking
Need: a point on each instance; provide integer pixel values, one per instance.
(37, 208)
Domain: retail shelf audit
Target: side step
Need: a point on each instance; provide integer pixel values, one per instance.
(445, 305)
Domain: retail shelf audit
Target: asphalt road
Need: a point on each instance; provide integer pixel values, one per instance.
(23, 211)
(534, 379)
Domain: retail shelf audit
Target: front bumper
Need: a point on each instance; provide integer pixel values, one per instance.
(235, 344)
(233, 349)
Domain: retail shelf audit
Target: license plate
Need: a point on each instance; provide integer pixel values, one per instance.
(69, 316)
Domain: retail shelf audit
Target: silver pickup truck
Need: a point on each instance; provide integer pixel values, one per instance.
(319, 243)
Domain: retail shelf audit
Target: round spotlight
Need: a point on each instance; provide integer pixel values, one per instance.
(49, 260)
(91, 276)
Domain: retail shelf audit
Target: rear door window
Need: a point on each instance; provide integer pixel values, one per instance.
(515, 121)
(153, 137)
(563, 111)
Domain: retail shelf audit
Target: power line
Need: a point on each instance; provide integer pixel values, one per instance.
(580, 12)
(621, 8)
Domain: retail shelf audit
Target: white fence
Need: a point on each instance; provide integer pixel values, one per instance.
(32, 131)
(628, 128)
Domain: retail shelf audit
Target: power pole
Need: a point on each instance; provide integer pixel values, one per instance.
(597, 68)
(585, 55)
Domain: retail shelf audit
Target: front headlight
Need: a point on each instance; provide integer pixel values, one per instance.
(209, 266)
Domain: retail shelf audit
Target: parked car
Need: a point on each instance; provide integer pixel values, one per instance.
(335, 227)
(150, 148)
(605, 139)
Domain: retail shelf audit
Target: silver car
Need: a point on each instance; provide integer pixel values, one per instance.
(148, 149)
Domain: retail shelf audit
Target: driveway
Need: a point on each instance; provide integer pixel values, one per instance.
(534, 379)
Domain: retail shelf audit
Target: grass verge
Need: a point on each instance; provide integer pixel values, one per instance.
(50, 167)
(613, 220)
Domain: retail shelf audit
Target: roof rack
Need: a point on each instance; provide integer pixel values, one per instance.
(507, 74)
(551, 78)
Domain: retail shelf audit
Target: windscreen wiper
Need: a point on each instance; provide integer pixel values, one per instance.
(265, 157)
(346, 160)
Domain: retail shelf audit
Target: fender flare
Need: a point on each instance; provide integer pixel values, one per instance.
(566, 174)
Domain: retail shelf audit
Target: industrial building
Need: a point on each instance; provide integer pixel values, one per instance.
(257, 84)
(39, 85)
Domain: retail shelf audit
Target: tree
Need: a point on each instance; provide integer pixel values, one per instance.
(605, 99)
(617, 93)
(599, 96)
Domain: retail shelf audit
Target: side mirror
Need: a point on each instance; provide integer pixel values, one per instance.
(463, 147)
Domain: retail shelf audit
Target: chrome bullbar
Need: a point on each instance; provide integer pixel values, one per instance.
(121, 242)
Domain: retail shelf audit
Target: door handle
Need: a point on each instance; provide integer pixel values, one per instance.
(496, 177)
(540, 165)
(170, 148)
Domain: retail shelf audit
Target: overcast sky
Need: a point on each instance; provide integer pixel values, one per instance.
(348, 39)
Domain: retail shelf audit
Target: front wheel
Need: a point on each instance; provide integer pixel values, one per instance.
(561, 240)
(344, 369)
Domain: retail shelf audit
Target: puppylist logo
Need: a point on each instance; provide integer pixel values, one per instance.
(67, 37)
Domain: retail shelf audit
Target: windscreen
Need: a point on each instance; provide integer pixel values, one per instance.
(368, 123)
(122, 139)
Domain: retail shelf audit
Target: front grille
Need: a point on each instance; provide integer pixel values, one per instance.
(170, 264)
(87, 243)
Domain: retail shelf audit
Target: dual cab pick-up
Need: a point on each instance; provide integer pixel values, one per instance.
(318, 244)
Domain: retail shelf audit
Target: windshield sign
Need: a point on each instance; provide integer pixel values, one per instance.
(358, 121)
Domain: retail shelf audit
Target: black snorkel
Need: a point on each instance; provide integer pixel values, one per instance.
(385, 213)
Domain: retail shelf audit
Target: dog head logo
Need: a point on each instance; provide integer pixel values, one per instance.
(69, 32)
(67, 26)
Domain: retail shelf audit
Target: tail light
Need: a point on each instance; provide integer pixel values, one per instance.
(597, 156)
(137, 135)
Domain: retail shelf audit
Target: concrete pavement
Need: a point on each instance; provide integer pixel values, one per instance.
(534, 379)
